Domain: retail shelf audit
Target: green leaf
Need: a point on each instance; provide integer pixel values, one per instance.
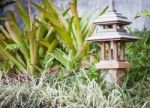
(34, 54)
(145, 12)
(49, 5)
(47, 14)
(17, 36)
(11, 16)
(65, 37)
(11, 57)
(23, 14)
(12, 47)
(4, 32)
(62, 58)
(104, 10)
(53, 45)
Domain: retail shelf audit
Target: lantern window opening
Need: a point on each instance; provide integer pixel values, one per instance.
(105, 51)
(122, 51)
(113, 50)
(107, 26)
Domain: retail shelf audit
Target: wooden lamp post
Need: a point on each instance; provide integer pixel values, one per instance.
(112, 40)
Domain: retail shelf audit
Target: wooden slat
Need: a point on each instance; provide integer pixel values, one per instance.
(122, 50)
(103, 50)
(110, 53)
(114, 47)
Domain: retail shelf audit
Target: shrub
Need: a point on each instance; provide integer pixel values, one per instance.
(72, 33)
(30, 48)
(25, 48)
(138, 54)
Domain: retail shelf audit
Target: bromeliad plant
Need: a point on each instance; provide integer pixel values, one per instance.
(72, 33)
(24, 48)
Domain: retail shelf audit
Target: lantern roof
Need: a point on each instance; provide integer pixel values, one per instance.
(112, 16)
(112, 36)
(112, 27)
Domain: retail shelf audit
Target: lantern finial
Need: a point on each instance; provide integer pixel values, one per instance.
(112, 5)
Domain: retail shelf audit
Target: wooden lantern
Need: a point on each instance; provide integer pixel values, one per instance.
(112, 39)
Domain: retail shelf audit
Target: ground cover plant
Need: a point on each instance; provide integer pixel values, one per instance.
(76, 92)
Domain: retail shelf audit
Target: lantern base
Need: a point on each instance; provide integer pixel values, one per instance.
(115, 76)
(112, 64)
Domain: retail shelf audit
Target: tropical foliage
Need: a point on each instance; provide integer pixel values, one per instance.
(72, 33)
(23, 48)
(28, 48)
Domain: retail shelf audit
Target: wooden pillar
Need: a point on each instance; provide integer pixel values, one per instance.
(114, 26)
(122, 51)
(110, 53)
(103, 50)
(114, 47)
